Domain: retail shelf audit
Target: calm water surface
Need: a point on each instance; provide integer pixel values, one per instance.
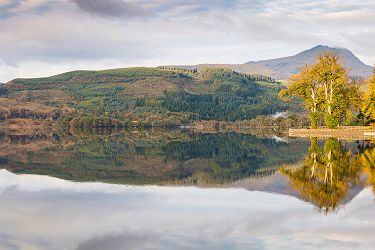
(183, 190)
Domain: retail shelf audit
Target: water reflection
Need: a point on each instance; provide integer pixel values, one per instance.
(368, 162)
(40, 212)
(263, 191)
(331, 173)
(327, 173)
(149, 157)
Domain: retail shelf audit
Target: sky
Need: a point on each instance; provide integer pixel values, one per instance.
(46, 37)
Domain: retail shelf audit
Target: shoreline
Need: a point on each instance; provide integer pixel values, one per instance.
(354, 133)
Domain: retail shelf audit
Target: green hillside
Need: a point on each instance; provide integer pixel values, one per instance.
(152, 96)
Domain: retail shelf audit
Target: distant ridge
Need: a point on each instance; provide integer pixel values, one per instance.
(283, 68)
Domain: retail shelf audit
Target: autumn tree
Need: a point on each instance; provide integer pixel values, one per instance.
(305, 86)
(336, 90)
(369, 102)
(325, 87)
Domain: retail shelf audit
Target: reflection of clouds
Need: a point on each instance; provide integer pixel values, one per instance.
(141, 241)
(47, 213)
(36, 183)
(279, 139)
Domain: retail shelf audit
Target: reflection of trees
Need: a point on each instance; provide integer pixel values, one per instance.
(163, 157)
(326, 175)
(368, 162)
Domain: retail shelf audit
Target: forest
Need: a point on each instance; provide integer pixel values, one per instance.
(158, 97)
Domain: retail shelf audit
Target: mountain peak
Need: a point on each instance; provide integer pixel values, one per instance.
(322, 48)
(282, 68)
(319, 47)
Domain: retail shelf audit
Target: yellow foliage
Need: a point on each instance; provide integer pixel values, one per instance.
(369, 102)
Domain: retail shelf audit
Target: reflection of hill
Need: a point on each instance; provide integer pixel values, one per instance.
(149, 157)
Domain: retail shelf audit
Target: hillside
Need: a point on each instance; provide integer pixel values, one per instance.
(282, 68)
(151, 96)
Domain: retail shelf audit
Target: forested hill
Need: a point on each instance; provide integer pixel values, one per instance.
(147, 95)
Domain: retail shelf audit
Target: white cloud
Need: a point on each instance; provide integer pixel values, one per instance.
(111, 8)
(64, 34)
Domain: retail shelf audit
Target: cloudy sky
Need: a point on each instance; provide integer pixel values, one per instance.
(44, 37)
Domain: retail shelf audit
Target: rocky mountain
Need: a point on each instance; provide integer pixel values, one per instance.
(282, 68)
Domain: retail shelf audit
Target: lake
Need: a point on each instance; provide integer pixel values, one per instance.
(177, 189)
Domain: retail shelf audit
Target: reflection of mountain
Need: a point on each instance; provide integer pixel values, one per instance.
(149, 157)
(275, 183)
